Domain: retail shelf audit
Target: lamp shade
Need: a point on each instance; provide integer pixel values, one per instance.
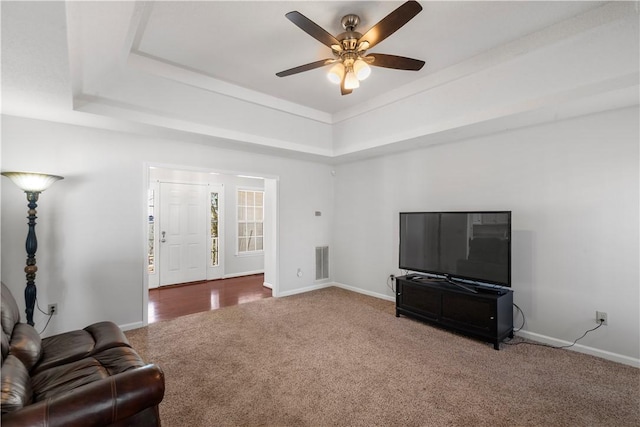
(351, 81)
(361, 69)
(336, 73)
(32, 182)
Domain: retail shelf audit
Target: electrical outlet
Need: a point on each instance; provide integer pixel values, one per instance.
(392, 277)
(52, 309)
(601, 317)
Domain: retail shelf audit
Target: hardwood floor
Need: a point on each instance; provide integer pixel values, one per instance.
(174, 301)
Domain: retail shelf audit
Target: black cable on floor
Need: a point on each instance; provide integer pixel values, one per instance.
(554, 346)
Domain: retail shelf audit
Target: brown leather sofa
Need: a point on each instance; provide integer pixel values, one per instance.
(90, 377)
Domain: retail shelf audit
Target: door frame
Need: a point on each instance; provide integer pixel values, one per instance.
(271, 225)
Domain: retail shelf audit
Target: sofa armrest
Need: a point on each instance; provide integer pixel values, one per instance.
(100, 403)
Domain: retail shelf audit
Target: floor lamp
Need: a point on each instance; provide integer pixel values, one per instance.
(32, 184)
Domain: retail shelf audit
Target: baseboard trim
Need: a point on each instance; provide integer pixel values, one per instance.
(615, 357)
(244, 273)
(337, 285)
(364, 292)
(305, 289)
(130, 326)
(267, 285)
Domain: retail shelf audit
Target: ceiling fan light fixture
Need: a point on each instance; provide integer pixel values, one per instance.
(336, 73)
(351, 81)
(361, 69)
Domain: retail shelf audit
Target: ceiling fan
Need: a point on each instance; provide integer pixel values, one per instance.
(350, 58)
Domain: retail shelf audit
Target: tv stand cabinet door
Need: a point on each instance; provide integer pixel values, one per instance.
(419, 299)
(469, 312)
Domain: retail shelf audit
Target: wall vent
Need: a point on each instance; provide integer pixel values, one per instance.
(322, 262)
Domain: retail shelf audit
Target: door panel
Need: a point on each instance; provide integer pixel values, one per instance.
(183, 233)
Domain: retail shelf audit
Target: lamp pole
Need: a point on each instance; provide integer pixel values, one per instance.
(32, 184)
(31, 245)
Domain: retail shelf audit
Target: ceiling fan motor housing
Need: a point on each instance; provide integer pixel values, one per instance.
(349, 40)
(350, 22)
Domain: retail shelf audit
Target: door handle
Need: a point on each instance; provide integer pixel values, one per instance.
(163, 239)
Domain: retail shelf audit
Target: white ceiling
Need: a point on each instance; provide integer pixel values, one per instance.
(208, 68)
(246, 43)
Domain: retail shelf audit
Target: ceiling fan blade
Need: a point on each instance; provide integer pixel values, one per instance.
(311, 28)
(305, 67)
(395, 62)
(391, 23)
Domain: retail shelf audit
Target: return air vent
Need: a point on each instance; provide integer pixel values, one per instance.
(322, 262)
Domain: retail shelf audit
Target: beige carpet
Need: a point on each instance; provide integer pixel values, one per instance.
(333, 357)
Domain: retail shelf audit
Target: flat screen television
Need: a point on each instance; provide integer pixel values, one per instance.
(469, 246)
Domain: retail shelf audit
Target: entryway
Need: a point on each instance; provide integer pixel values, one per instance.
(170, 302)
(237, 215)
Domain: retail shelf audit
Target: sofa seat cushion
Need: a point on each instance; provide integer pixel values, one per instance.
(64, 348)
(67, 377)
(119, 359)
(75, 345)
(64, 378)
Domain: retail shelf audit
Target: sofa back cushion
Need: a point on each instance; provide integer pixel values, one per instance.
(9, 311)
(16, 385)
(5, 345)
(19, 339)
(9, 316)
(26, 345)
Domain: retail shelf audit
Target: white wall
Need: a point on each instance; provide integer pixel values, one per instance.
(572, 186)
(91, 253)
(573, 189)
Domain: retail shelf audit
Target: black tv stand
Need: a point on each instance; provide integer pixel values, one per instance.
(485, 314)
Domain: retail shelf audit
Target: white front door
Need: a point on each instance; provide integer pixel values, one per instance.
(183, 233)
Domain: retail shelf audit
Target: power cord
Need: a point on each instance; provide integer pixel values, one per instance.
(523, 319)
(601, 322)
(390, 281)
(43, 312)
(38, 305)
(47, 324)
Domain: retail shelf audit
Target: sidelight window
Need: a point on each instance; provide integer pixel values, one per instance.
(151, 236)
(214, 234)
